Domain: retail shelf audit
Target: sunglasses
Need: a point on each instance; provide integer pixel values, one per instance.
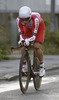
(25, 19)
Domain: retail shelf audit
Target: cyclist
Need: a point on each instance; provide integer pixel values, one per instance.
(31, 28)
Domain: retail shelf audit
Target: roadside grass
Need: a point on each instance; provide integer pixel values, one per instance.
(4, 57)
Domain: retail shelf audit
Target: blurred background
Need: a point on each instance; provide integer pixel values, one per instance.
(49, 10)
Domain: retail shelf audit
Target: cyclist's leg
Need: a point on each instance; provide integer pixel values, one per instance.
(37, 44)
(39, 52)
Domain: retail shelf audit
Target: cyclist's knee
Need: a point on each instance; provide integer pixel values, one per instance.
(37, 45)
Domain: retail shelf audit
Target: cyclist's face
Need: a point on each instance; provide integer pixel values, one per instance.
(25, 21)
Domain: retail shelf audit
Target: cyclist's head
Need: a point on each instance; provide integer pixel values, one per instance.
(25, 13)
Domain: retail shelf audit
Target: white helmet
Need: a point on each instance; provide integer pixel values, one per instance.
(24, 12)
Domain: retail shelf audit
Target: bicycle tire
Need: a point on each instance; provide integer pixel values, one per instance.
(21, 74)
(37, 80)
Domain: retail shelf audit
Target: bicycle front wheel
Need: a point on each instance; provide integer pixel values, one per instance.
(24, 76)
(37, 80)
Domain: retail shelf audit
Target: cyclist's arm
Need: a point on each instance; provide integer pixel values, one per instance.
(20, 28)
(31, 38)
(35, 26)
(34, 30)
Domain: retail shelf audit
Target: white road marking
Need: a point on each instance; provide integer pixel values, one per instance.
(15, 85)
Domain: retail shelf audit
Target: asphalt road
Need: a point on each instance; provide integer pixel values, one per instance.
(49, 89)
(9, 69)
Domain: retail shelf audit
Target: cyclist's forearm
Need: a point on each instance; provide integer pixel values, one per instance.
(21, 38)
(32, 38)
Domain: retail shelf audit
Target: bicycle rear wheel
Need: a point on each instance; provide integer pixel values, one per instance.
(37, 80)
(24, 76)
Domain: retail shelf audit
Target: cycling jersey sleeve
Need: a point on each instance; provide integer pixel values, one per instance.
(35, 26)
(19, 26)
(31, 38)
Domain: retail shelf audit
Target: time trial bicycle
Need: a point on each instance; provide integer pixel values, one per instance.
(31, 72)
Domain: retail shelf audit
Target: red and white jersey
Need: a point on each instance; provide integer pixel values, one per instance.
(34, 27)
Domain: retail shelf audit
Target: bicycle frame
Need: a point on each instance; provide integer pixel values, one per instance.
(32, 69)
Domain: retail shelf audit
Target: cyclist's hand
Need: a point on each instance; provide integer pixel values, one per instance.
(20, 42)
(27, 42)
